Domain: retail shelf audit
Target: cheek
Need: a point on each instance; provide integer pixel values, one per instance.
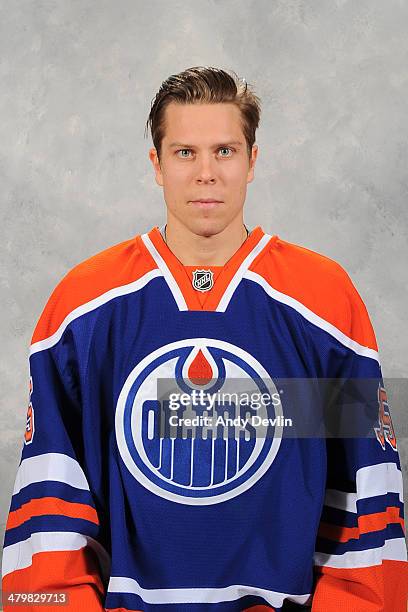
(177, 178)
(237, 170)
(237, 173)
(175, 190)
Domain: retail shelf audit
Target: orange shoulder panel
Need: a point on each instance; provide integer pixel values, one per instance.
(320, 284)
(118, 265)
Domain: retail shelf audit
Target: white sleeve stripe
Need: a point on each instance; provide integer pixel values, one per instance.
(132, 287)
(393, 550)
(312, 317)
(19, 555)
(341, 500)
(50, 466)
(371, 481)
(378, 479)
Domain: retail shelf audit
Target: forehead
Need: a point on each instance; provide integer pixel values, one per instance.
(202, 122)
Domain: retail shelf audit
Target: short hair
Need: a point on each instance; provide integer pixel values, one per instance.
(205, 85)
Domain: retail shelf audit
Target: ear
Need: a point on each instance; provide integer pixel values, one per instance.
(156, 166)
(252, 161)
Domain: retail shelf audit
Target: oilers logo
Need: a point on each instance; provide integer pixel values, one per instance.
(206, 467)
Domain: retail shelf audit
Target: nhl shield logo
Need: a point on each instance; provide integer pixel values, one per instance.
(203, 280)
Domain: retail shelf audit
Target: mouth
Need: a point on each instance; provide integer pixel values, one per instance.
(206, 203)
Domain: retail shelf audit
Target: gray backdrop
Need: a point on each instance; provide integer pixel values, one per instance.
(77, 79)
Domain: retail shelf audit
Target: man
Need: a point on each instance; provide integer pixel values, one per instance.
(114, 514)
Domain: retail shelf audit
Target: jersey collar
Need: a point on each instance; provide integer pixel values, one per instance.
(178, 278)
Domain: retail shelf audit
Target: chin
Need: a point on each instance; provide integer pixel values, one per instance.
(207, 227)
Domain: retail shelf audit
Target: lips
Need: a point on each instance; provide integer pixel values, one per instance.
(207, 201)
(206, 204)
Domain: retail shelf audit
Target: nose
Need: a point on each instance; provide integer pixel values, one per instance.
(206, 170)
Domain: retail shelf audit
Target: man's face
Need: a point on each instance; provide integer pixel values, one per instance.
(204, 155)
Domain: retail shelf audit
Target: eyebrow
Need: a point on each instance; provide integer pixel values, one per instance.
(221, 144)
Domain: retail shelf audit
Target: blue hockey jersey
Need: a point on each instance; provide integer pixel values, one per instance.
(119, 517)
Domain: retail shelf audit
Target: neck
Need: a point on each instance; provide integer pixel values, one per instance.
(210, 250)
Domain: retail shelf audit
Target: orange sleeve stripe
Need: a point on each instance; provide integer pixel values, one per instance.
(119, 265)
(51, 505)
(366, 524)
(73, 572)
(366, 589)
(325, 288)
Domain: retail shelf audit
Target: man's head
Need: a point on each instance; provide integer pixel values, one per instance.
(203, 124)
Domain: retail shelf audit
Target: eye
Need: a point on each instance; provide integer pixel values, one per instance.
(183, 150)
(220, 149)
(226, 149)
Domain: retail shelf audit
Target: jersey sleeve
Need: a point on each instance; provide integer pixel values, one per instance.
(54, 538)
(360, 561)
